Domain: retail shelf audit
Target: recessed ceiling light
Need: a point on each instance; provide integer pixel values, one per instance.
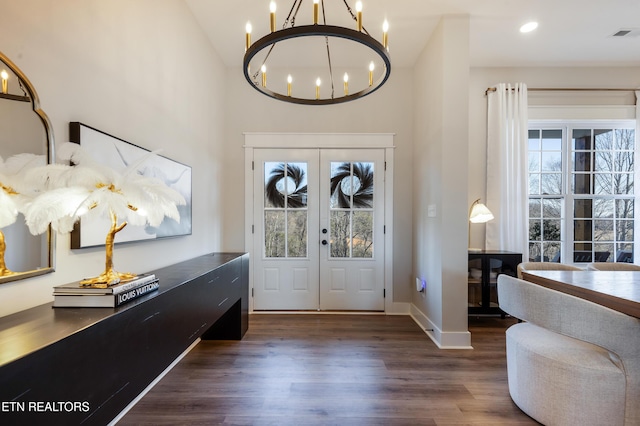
(528, 27)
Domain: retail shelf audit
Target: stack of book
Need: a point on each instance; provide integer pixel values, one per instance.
(76, 295)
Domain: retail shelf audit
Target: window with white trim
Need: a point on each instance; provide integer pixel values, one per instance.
(582, 192)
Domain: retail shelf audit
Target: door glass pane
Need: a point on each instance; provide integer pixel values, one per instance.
(341, 180)
(363, 196)
(297, 233)
(274, 234)
(285, 211)
(340, 234)
(351, 205)
(351, 185)
(362, 234)
(285, 182)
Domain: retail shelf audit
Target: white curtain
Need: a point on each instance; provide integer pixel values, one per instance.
(507, 169)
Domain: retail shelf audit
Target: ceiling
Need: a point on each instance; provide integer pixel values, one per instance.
(570, 32)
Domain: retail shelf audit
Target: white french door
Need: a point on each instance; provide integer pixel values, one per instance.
(318, 229)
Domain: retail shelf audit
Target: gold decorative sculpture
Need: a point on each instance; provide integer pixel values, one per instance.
(4, 271)
(8, 217)
(86, 188)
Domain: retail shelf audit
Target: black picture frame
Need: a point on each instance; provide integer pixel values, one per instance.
(117, 153)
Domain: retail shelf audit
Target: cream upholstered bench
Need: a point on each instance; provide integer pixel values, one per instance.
(572, 362)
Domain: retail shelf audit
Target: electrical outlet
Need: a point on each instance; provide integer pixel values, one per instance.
(420, 285)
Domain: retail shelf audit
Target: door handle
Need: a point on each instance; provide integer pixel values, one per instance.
(324, 242)
(324, 230)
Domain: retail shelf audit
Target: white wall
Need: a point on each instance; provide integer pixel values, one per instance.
(386, 111)
(567, 77)
(441, 79)
(140, 70)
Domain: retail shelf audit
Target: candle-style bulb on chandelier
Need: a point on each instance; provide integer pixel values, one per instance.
(306, 28)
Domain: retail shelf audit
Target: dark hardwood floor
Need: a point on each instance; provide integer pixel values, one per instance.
(336, 370)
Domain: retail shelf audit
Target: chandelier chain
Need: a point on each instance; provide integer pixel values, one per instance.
(293, 19)
(286, 22)
(326, 40)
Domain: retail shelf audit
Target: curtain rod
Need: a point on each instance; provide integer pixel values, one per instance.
(566, 89)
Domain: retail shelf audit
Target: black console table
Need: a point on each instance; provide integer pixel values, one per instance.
(85, 365)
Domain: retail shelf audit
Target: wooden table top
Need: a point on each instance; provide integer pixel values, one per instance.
(618, 290)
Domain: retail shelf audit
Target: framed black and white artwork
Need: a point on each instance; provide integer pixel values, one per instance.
(118, 154)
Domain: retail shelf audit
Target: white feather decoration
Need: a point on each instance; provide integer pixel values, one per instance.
(8, 209)
(58, 207)
(94, 189)
(15, 193)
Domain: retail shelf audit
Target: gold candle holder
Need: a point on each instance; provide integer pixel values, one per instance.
(346, 84)
(385, 34)
(289, 80)
(359, 15)
(263, 69)
(371, 68)
(318, 88)
(272, 15)
(247, 40)
(316, 11)
(5, 81)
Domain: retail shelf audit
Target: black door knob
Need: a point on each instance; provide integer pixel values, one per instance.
(324, 230)
(324, 242)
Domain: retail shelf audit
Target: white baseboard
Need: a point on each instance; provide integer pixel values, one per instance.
(444, 340)
(395, 308)
(398, 308)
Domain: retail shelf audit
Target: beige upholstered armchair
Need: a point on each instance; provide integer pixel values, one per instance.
(611, 266)
(545, 266)
(573, 362)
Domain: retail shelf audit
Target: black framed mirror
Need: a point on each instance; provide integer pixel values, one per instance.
(24, 128)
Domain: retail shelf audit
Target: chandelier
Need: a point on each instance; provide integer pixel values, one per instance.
(301, 75)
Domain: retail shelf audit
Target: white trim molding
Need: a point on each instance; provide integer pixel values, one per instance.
(442, 339)
(318, 140)
(583, 112)
(384, 141)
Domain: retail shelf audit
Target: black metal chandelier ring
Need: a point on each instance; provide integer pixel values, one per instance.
(317, 30)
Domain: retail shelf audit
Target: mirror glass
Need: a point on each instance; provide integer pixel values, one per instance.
(24, 128)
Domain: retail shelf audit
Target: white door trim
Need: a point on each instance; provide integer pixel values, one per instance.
(321, 140)
(318, 140)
